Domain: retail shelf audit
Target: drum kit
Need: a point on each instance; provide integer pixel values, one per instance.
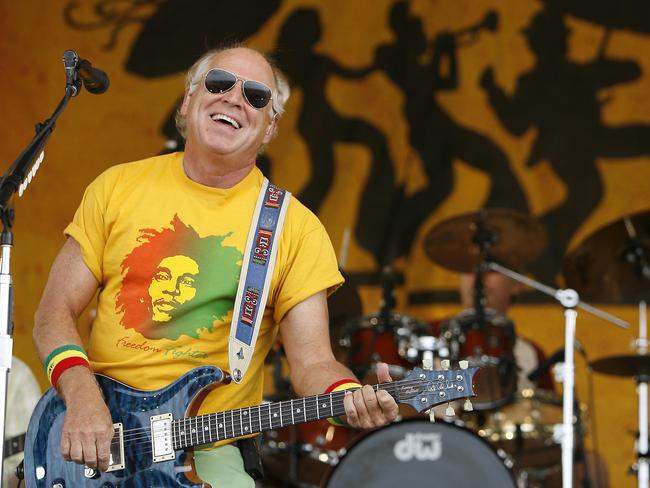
(510, 438)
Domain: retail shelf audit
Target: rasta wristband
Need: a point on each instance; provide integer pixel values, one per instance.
(62, 358)
(341, 385)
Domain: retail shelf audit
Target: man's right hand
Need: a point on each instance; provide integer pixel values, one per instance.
(87, 428)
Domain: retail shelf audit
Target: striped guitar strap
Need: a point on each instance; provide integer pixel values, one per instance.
(255, 278)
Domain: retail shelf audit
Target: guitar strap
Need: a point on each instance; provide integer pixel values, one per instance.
(255, 277)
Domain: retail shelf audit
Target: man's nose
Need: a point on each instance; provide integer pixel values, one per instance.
(235, 95)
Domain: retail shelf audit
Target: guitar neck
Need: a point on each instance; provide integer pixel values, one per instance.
(14, 445)
(205, 429)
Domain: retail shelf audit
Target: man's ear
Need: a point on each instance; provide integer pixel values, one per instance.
(271, 129)
(185, 104)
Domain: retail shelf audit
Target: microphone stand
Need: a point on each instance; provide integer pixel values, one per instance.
(15, 180)
(570, 300)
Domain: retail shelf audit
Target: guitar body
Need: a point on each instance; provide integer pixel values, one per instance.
(45, 468)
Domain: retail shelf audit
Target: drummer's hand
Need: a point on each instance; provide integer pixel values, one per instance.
(366, 408)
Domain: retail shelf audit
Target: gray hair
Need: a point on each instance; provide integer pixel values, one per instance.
(199, 69)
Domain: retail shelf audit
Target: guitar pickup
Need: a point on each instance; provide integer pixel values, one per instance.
(116, 459)
(161, 437)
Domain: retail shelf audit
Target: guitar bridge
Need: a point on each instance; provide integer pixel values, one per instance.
(116, 460)
(161, 438)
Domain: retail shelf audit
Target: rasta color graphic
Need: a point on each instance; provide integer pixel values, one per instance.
(176, 282)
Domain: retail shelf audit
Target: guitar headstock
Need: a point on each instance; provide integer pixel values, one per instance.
(423, 389)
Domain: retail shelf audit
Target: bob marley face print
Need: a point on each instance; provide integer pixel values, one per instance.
(172, 285)
(177, 282)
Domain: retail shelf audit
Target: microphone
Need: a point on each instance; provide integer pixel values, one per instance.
(556, 357)
(94, 79)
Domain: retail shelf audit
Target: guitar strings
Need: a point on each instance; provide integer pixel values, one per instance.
(141, 435)
(183, 423)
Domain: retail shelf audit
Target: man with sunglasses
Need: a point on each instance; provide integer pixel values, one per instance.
(234, 98)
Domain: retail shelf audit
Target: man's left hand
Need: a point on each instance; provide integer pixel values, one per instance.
(367, 408)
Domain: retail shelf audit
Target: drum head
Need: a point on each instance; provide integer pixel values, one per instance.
(420, 453)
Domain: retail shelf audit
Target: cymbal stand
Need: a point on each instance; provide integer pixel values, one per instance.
(570, 300)
(483, 238)
(642, 393)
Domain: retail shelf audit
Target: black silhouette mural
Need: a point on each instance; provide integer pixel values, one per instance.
(433, 134)
(318, 123)
(560, 98)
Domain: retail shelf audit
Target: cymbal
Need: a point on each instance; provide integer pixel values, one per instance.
(632, 365)
(514, 239)
(603, 267)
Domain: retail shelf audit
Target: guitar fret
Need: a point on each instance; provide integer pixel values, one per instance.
(259, 416)
(243, 413)
(203, 427)
(222, 424)
(331, 406)
(304, 408)
(317, 410)
(270, 418)
(281, 424)
(292, 419)
(250, 420)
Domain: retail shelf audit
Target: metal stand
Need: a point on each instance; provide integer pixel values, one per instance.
(570, 300)
(642, 392)
(15, 180)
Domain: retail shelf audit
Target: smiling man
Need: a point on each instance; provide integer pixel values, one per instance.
(193, 243)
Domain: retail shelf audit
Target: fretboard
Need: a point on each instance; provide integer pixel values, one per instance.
(205, 429)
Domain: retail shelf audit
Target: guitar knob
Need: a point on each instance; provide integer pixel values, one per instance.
(463, 364)
(427, 360)
(445, 364)
(450, 412)
(467, 406)
(432, 415)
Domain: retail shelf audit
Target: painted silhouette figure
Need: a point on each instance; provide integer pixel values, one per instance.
(433, 134)
(318, 123)
(560, 98)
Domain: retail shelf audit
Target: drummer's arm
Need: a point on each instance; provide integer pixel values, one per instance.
(305, 336)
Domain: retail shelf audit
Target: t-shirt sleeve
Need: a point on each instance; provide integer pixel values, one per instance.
(88, 225)
(311, 267)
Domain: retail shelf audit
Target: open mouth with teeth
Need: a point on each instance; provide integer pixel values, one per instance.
(225, 119)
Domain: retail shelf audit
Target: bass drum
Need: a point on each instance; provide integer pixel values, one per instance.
(420, 453)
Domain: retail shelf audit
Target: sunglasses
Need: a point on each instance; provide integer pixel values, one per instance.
(219, 80)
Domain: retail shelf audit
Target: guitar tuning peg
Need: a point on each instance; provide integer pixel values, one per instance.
(463, 364)
(445, 364)
(432, 416)
(427, 360)
(467, 406)
(450, 412)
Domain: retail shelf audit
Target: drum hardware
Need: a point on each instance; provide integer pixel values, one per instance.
(462, 243)
(638, 367)
(415, 453)
(612, 264)
(569, 300)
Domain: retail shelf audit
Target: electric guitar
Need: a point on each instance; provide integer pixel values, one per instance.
(153, 432)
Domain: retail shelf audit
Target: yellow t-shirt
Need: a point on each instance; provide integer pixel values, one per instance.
(167, 253)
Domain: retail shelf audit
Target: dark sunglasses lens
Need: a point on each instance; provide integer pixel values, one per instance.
(257, 94)
(219, 81)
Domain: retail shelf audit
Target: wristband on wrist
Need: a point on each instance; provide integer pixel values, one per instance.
(62, 358)
(341, 385)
